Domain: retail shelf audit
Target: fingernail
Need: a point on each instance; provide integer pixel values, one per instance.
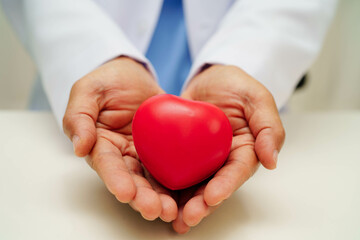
(218, 203)
(275, 156)
(75, 141)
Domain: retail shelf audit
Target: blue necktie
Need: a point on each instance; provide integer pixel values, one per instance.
(168, 50)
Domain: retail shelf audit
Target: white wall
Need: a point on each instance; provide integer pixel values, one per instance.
(334, 79)
(17, 72)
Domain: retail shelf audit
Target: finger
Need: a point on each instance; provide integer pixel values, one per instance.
(184, 196)
(179, 225)
(146, 201)
(240, 166)
(265, 124)
(79, 119)
(107, 161)
(118, 120)
(196, 208)
(169, 207)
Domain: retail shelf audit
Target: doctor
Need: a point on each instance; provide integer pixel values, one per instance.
(99, 60)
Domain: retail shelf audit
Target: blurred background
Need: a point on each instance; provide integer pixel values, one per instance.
(333, 81)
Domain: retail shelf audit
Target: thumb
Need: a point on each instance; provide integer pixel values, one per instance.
(266, 126)
(80, 118)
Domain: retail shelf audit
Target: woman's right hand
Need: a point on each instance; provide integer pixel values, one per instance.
(98, 121)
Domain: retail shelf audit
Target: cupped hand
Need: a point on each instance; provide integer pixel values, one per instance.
(258, 136)
(98, 121)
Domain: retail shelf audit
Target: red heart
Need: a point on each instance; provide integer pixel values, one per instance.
(181, 142)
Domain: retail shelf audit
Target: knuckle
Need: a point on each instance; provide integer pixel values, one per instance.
(66, 124)
(282, 135)
(279, 132)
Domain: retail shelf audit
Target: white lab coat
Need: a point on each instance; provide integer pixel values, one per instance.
(274, 41)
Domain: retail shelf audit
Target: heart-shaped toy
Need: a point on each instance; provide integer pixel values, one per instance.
(181, 142)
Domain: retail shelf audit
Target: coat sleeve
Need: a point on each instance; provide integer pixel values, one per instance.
(67, 39)
(274, 41)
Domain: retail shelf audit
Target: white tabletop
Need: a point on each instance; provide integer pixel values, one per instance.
(47, 193)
